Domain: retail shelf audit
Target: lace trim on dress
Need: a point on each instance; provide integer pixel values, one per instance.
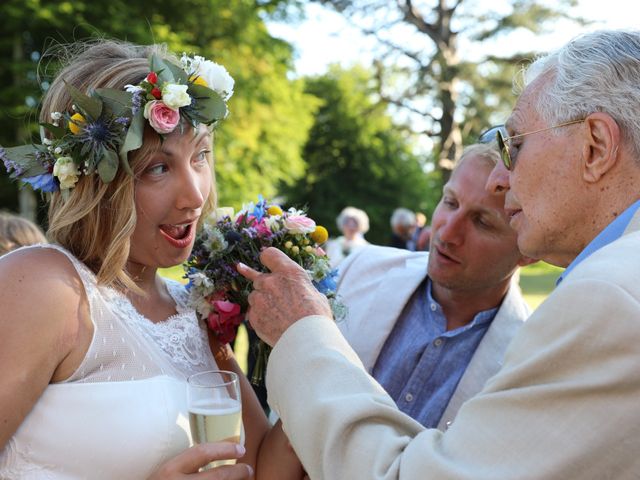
(18, 463)
(180, 337)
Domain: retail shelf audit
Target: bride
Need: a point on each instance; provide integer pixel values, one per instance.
(96, 347)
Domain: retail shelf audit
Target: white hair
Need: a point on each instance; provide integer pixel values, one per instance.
(360, 216)
(594, 72)
(403, 217)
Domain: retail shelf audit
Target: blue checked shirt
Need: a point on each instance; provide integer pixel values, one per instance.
(421, 363)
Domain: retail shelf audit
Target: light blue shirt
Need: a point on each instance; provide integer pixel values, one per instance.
(421, 362)
(612, 232)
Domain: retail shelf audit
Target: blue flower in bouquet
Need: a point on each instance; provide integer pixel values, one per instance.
(219, 293)
(328, 283)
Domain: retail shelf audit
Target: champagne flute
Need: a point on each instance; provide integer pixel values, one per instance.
(215, 409)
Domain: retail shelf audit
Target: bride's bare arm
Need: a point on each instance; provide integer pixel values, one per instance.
(45, 325)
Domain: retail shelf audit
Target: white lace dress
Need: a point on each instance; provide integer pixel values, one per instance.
(123, 412)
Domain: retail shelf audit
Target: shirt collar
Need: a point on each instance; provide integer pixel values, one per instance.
(479, 319)
(612, 232)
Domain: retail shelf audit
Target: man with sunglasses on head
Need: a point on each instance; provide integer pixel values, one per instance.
(564, 405)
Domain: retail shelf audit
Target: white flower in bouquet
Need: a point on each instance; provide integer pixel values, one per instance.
(200, 303)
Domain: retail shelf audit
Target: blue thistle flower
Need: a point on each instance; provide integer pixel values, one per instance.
(136, 101)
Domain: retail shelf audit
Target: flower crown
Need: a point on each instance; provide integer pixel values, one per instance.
(108, 123)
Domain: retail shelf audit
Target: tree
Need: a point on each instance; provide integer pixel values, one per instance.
(356, 156)
(420, 67)
(259, 144)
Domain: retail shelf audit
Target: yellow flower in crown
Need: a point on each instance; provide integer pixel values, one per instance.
(76, 123)
(320, 234)
(198, 80)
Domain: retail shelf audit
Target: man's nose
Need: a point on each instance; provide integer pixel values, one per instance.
(452, 231)
(498, 181)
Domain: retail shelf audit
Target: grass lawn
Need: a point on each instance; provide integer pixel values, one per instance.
(536, 281)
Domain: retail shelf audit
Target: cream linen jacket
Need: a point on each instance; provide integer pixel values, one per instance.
(376, 283)
(565, 404)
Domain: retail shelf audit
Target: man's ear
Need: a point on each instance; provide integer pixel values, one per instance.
(524, 261)
(600, 149)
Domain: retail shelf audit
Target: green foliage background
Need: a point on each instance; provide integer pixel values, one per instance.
(356, 156)
(325, 142)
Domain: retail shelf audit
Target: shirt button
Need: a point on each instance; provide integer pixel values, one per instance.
(408, 397)
(433, 307)
(437, 342)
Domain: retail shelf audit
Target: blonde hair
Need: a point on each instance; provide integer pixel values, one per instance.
(487, 152)
(18, 232)
(96, 221)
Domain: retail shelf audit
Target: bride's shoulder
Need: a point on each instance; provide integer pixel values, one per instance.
(39, 270)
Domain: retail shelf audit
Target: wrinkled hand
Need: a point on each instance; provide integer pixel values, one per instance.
(281, 297)
(186, 464)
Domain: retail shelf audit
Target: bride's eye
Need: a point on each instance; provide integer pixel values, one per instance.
(202, 156)
(158, 169)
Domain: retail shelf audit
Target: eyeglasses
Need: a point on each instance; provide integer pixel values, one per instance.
(503, 145)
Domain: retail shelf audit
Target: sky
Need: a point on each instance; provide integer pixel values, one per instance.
(325, 37)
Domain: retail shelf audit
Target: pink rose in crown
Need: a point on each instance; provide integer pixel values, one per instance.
(162, 118)
(299, 224)
(224, 319)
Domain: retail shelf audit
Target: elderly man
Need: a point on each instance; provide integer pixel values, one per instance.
(442, 329)
(565, 403)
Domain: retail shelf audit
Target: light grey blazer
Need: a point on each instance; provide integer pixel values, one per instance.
(564, 405)
(376, 283)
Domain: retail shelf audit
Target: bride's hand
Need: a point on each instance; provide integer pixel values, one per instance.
(185, 464)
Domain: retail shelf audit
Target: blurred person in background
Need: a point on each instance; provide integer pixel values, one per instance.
(422, 237)
(16, 232)
(403, 226)
(353, 223)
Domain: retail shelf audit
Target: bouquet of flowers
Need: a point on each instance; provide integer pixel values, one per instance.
(219, 293)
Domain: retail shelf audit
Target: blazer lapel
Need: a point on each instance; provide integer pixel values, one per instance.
(487, 359)
(368, 332)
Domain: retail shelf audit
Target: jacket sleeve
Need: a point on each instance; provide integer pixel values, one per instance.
(564, 405)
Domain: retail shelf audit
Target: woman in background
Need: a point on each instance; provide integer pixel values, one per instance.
(353, 223)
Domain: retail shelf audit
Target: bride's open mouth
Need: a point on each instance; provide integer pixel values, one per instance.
(179, 235)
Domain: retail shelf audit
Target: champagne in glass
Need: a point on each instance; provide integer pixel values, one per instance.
(215, 409)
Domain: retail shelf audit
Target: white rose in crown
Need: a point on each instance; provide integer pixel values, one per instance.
(216, 76)
(175, 96)
(66, 171)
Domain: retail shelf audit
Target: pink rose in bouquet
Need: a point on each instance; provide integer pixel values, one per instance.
(299, 224)
(224, 319)
(219, 293)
